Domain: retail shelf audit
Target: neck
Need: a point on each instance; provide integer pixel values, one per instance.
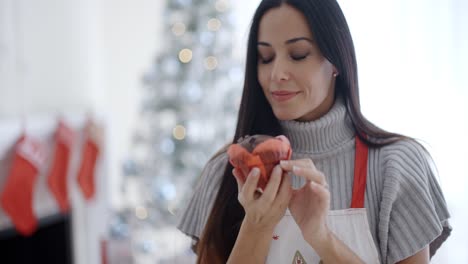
(322, 109)
(323, 134)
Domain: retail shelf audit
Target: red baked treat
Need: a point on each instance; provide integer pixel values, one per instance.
(261, 151)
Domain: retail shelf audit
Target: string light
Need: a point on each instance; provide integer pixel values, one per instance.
(211, 63)
(185, 55)
(141, 212)
(171, 208)
(178, 29)
(214, 24)
(179, 132)
(221, 5)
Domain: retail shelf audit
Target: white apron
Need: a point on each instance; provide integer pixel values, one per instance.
(349, 225)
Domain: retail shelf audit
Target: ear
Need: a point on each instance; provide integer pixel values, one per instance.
(335, 71)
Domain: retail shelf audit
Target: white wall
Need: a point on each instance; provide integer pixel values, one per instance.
(132, 35)
(45, 58)
(411, 57)
(74, 57)
(77, 56)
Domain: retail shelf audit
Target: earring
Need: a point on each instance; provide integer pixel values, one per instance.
(335, 74)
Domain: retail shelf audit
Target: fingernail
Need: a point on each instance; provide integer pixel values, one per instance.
(255, 171)
(278, 169)
(283, 162)
(296, 169)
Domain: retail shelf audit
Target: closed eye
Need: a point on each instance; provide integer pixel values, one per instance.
(294, 57)
(265, 61)
(299, 57)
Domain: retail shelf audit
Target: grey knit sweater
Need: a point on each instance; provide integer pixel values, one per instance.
(405, 205)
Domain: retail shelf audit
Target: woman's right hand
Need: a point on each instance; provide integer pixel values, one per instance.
(264, 210)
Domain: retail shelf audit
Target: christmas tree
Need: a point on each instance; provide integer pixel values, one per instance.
(190, 101)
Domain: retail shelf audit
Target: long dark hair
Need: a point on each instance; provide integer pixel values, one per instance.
(331, 33)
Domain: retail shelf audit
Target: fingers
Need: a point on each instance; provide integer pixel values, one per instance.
(310, 174)
(319, 188)
(272, 186)
(287, 165)
(304, 168)
(277, 189)
(321, 191)
(250, 185)
(285, 191)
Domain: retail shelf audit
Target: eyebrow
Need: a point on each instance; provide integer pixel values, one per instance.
(289, 41)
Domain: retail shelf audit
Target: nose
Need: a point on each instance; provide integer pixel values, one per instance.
(280, 72)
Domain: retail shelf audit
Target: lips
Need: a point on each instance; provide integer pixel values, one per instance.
(282, 96)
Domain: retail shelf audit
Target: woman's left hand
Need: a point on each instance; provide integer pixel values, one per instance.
(310, 204)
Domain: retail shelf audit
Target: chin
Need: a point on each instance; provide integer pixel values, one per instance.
(285, 116)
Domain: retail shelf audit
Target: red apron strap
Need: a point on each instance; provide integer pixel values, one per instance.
(360, 174)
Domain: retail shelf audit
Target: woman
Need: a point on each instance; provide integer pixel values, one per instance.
(358, 194)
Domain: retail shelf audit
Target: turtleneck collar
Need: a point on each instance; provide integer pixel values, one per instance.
(327, 133)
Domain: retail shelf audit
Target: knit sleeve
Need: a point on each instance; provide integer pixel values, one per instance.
(193, 218)
(413, 210)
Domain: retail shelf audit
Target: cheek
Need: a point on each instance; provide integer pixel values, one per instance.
(263, 78)
(316, 82)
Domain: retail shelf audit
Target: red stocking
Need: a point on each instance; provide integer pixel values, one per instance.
(90, 153)
(57, 179)
(17, 196)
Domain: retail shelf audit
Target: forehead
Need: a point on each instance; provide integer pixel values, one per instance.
(283, 23)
